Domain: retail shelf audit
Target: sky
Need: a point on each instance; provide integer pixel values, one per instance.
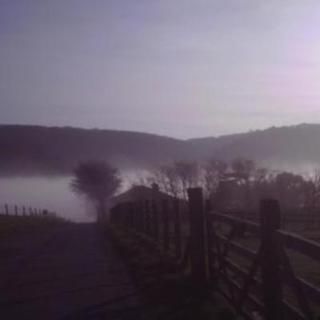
(183, 68)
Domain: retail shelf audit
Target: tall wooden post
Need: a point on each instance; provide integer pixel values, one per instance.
(177, 228)
(147, 217)
(197, 236)
(143, 217)
(155, 220)
(140, 217)
(6, 209)
(270, 220)
(210, 241)
(123, 213)
(16, 212)
(131, 215)
(136, 216)
(111, 216)
(165, 215)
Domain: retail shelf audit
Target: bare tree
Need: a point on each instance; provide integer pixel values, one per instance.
(175, 178)
(188, 175)
(212, 173)
(261, 177)
(243, 170)
(166, 177)
(289, 187)
(312, 191)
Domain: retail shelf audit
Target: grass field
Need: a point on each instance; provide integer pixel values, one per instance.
(10, 224)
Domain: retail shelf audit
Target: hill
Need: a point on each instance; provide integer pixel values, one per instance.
(292, 147)
(52, 150)
(35, 149)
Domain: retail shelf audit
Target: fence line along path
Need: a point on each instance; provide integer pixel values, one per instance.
(16, 210)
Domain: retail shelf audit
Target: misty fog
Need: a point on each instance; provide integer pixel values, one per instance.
(54, 194)
(49, 193)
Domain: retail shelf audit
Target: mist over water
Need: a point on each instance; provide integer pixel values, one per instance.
(52, 193)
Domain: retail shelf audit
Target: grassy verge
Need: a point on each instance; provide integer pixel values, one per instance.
(11, 225)
(167, 293)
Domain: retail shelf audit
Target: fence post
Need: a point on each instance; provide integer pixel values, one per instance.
(131, 215)
(139, 217)
(210, 243)
(123, 215)
(155, 220)
(165, 215)
(177, 228)
(122, 212)
(147, 216)
(270, 220)
(197, 236)
(111, 215)
(143, 217)
(136, 216)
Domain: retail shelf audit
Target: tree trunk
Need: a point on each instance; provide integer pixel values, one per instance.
(101, 210)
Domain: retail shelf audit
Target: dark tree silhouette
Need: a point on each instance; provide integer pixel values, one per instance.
(96, 180)
(243, 169)
(175, 178)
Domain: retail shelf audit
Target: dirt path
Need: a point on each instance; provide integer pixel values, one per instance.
(70, 273)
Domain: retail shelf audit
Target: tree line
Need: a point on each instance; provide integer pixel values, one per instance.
(238, 184)
(235, 185)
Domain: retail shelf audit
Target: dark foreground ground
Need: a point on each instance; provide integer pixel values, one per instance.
(65, 273)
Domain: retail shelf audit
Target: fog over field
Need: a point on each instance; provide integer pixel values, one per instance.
(53, 193)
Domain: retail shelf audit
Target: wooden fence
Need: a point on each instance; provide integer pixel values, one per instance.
(259, 268)
(302, 220)
(158, 222)
(16, 210)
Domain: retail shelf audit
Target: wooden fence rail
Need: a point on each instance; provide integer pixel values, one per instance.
(252, 264)
(159, 222)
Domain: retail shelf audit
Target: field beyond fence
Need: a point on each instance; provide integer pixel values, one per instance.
(16, 219)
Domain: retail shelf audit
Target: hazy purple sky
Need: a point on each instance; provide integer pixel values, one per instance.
(184, 68)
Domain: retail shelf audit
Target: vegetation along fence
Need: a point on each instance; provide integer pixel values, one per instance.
(259, 268)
